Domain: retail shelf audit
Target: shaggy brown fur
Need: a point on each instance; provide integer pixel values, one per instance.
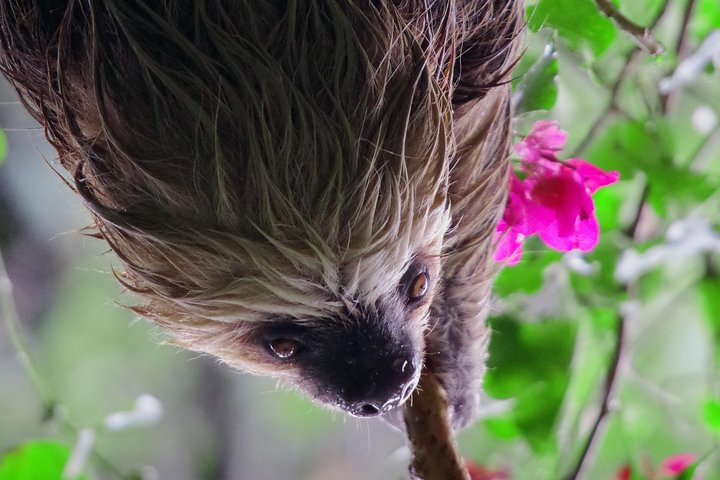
(256, 161)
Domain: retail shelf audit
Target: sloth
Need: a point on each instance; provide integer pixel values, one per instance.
(305, 189)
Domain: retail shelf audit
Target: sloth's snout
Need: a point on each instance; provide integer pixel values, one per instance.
(387, 387)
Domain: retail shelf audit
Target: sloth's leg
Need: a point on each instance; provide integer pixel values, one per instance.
(457, 347)
(458, 336)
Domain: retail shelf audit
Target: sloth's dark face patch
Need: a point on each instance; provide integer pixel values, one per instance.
(363, 362)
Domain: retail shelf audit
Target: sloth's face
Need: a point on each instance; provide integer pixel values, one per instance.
(365, 360)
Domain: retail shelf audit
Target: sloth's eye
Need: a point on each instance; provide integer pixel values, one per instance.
(418, 287)
(284, 348)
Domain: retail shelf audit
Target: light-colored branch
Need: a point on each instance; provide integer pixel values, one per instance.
(12, 324)
(433, 446)
(17, 339)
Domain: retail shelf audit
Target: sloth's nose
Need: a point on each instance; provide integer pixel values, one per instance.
(386, 390)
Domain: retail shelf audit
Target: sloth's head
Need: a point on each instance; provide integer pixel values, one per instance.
(273, 177)
(344, 325)
(363, 358)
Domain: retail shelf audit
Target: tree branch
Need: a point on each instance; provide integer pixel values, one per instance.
(680, 49)
(609, 388)
(611, 105)
(643, 36)
(433, 446)
(632, 58)
(616, 362)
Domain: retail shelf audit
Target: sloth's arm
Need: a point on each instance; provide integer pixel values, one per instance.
(457, 344)
(458, 339)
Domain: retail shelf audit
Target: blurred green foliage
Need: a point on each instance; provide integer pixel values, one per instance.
(578, 21)
(556, 325)
(537, 89)
(3, 146)
(38, 460)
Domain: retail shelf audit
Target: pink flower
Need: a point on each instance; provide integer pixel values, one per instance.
(677, 464)
(624, 473)
(553, 201)
(593, 177)
(544, 141)
(479, 472)
(513, 226)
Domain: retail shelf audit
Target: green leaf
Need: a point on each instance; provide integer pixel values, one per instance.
(526, 276)
(642, 13)
(688, 473)
(705, 19)
(578, 21)
(37, 460)
(529, 363)
(635, 475)
(628, 147)
(601, 283)
(608, 202)
(646, 146)
(537, 90)
(709, 301)
(3, 147)
(503, 428)
(604, 319)
(711, 414)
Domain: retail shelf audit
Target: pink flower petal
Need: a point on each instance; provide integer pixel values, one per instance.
(554, 240)
(565, 195)
(554, 200)
(549, 134)
(624, 473)
(509, 247)
(593, 177)
(538, 217)
(676, 464)
(587, 233)
(543, 142)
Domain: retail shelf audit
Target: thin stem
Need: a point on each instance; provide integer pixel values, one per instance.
(702, 146)
(667, 99)
(17, 339)
(609, 389)
(682, 36)
(642, 35)
(611, 107)
(12, 323)
(611, 378)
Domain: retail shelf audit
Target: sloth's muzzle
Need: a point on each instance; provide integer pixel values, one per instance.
(384, 389)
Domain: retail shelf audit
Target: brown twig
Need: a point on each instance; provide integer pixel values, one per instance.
(434, 451)
(611, 107)
(609, 389)
(680, 49)
(643, 36)
(616, 362)
(682, 36)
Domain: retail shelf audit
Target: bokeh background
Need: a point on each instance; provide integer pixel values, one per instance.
(555, 320)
